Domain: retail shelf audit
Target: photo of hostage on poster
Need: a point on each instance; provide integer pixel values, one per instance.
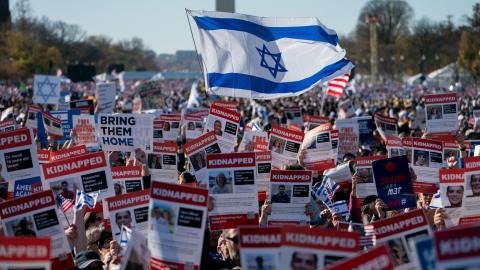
(171, 126)
(427, 159)
(193, 126)
(363, 168)
(452, 190)
(224, 124)
(441, 114)
(162, 162)
(232, 187)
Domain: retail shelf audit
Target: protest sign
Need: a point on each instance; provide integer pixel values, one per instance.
(224, 123)
(32, 116)
(85, 106)
(24, 187)
(176, 225)
(127, 179)
(319, 248)
(289, 193)
(158, 130)
(193, 126)
(89, 173)
(377, 258)
(441, 113)
(36, 216)
(425, 253)
(471, 187)
(285, 145)
(231, 105)
(53, 126)
(427, 159)
(346, 109)
(457, 248)
(312, 122)
(105, 96)
(386, 126)
(76, 150)
(162, 162)
(363, 168)
(319, 148)
(232, 187)
(471, 145)
(24, 253)
(366, 241)
(84, 129)
(171, 126)
(43, 156)
(394, 183)
(450, 149)
(262, 178)
(125, 132)
(395, 147)
(294, 116)
(452, 192)
(66, 119)
(46, 89)
(254, 141)
(354, 133)
(8, 124)
(399, 233)
(260, 247)
(18, 155)
(197, 149)
(130, 210)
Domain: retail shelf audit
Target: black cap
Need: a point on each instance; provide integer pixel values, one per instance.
(369, 199)
(84, 258)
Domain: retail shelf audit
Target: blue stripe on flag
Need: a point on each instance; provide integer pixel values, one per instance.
(309, 32)
(261, 85)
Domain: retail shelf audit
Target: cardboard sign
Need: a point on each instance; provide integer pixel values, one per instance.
(130, 210)
(363, 168)
(25, 253)
(193, 126)
(66, 119)
(319, 248)
(294, 116)
(457, 248)
(394, 183)
(441, 113)
(8, 124)
(127, 179)
(452, 191)
(320, 148)
(386, 126)
(395, 147)
(24, 187)
(377, 258)
(105, 96)
(262, 178)
(224, 123)
(427, 159)
(171, 126)
(125, 132)
(162, 162)
(46, 89)
(398, 233)
(254, 141)
(196, 151)
(289, 192)
(312, 122)
(18, 155)
(285, 145)
(231, 184)
(354, 133)
(84, 127)
(176, 225)
(76, 150)
(36, 216)
(260, 247)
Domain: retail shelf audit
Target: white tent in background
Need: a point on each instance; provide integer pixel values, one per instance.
(415, 79)
(442, 77)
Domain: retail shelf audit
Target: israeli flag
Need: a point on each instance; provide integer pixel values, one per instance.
(436, 201)
(265, 58)
(83, 198)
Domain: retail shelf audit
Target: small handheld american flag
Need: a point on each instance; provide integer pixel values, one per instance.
(64, 203)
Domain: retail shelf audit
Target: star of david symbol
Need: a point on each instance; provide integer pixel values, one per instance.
(390, 166)
(46, 83)
(276, 57)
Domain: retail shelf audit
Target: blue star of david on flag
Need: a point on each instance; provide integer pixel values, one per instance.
(46, 89)
(277, 57)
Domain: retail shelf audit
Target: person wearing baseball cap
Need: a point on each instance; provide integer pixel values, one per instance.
(88, 260)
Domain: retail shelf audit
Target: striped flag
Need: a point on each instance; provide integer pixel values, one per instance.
(83, 198)
(64, 203)
(339, 208)
(326, 190)
(436, 201)
(336, 86)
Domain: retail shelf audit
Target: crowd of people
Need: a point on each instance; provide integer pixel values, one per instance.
(91, 238)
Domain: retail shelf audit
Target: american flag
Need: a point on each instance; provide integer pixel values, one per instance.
(336, 86)
(63, 203)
